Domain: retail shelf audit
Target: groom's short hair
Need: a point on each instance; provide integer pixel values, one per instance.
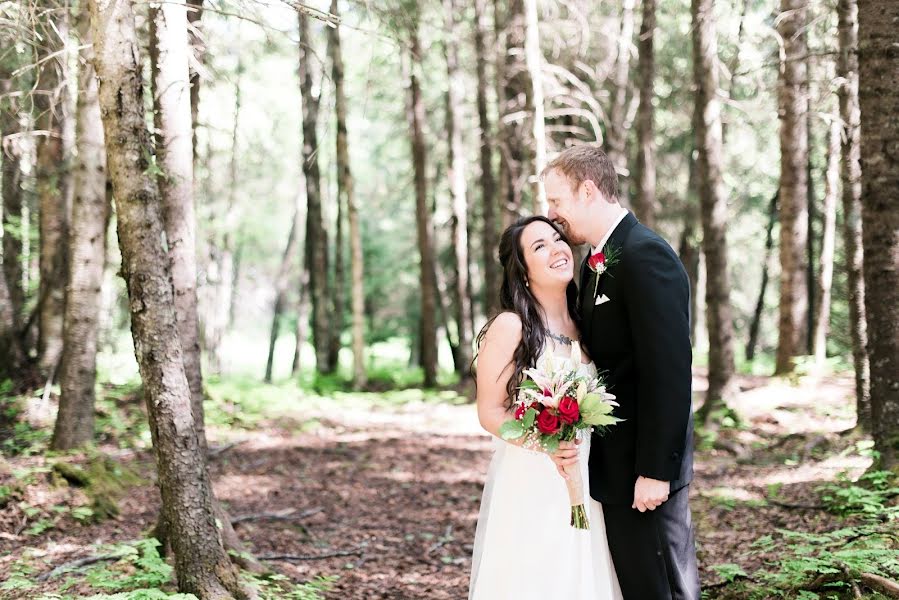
(583, 162)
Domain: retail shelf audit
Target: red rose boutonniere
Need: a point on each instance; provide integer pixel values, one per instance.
(600, 262)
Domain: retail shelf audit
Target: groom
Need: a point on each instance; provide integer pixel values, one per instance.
(634, 306)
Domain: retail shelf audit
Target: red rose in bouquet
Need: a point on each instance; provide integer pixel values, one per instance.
(569, 411)
(547, 422)
(521, 409)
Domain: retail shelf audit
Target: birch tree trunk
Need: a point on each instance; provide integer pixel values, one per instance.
(828, 243)
(201, 565)
(645, 196)
(458, 191)
(534, 60)
(87, 249)
(714, 207)
(851, 174)
(793, 104)
(171, 78)
(616, 130)
(879, 102)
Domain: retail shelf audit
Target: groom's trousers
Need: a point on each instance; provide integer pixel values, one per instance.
(654, 552)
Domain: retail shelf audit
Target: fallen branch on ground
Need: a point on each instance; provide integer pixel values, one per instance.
(799, 506)
(358, 551)
(877, 583)
(880, 584)
(221, 450)
(281, 515)
(77, 564)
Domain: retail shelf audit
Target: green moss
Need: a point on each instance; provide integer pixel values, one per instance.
(104, 481)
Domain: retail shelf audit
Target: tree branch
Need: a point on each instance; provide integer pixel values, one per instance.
(358, 551)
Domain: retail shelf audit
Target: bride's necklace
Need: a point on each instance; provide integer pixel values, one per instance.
(561, 338)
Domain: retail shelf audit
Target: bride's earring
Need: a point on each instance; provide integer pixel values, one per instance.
(527, 283)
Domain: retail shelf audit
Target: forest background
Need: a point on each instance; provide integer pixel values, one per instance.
(247, 248)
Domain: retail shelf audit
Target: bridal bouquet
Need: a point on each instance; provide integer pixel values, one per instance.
(556, 402)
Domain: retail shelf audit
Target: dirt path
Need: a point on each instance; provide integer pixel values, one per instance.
(396, 491)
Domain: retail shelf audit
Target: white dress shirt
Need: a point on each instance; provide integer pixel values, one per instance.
(608, 234)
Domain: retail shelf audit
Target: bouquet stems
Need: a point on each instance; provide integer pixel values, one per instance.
(575, 486)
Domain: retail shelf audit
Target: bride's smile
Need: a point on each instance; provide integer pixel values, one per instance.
(548, 257)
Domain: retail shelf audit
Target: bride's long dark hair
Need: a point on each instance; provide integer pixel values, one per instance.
(516, 297)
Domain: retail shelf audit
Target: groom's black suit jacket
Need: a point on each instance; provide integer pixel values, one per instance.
(640, 340)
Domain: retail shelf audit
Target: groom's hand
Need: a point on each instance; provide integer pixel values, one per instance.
(649, 494)
(565, 456)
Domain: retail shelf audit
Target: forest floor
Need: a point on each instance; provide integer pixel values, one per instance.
(383, 495)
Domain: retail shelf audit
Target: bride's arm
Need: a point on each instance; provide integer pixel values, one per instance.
(495, 367)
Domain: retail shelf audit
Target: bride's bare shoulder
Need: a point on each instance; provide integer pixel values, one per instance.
(505, 329)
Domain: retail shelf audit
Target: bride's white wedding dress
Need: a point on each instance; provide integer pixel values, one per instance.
(524, 547)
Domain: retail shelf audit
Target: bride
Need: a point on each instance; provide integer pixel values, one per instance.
(524, 547)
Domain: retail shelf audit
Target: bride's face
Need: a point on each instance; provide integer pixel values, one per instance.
(546, 255)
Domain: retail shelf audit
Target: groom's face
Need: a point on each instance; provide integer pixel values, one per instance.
(565, 205)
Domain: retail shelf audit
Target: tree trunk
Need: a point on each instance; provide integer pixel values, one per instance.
(828, 242)
(336, 292)
(201, 565)
(810, 218)
(316, 235)
(714, 207)
(755, 325)
(87, 249)
(688, 248)
(198, 50)
(645, 196)
(221, 267)
(303, 311)
(851, 173)
(11, 185)
(462, 299)
(346, 188)
(516, 106)
(282, 282)
(415, 112)
(534, 60)
(490, 235)
(12, 354)
(616, 129)
(793, 104)
(51, 103)
(174, 134)
(879, 100)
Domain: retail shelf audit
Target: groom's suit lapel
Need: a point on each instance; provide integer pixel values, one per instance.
(616, 240)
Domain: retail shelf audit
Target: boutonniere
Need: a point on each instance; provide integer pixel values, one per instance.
(600, 262)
